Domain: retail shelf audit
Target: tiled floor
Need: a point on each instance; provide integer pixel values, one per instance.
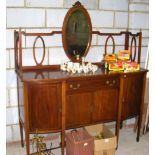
(127, 145)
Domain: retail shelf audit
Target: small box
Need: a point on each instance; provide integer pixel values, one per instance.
(105, 145)
(132, 66)
(110, 58)
(124, 55)
(116, 66)
(79, 142)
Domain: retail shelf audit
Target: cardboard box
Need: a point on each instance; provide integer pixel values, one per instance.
(105, 146)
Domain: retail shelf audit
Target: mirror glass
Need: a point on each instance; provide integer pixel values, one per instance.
(77, 33)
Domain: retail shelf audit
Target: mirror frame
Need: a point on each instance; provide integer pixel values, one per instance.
(80, 7)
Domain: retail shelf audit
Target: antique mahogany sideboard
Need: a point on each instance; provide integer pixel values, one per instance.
(50, 100)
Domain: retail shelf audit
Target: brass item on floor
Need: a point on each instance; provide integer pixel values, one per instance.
(100, 135)
(41, 148)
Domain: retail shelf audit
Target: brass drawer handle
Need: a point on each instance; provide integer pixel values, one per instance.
(76, 87)
(107, 82)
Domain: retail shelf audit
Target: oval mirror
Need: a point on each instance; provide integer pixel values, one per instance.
(77, 32)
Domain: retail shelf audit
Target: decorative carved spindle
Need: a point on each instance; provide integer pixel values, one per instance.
(135, 51)
(34, 53)
(113, 41)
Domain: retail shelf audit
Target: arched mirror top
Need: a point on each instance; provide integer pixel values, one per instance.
(77, 32)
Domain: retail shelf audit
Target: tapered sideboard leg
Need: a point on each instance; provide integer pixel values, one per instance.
(21, 133)
(62, 143)
(141, 108)
(27, 143)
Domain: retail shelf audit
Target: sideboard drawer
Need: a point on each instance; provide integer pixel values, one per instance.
(91, 84)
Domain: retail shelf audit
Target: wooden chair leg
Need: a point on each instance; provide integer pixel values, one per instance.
(21, 133)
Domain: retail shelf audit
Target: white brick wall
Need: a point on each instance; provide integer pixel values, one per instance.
(139, 20)
(44, 3)
(12, 116)
(118, 19)
(57, 56)
(25, 17)
(139, 7)
(28, 56)
(101, 18)
(14, 3)
(48, 15)
(114, 5)
(10, 78)
(55, 17)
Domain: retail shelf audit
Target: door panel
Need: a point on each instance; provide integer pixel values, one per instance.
(44, 104)
(78, 109)
(105, 105)
(132, 96)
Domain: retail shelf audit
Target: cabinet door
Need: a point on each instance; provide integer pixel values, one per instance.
(78, 109)
(132, 95)
(105, 103)
(44, 103)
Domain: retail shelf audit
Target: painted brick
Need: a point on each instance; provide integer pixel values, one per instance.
(8, 134)
(25, 17)
(143, 54)
(101, 18)
(11, 115)
(55, 17)
(7, 59)
(10, 39)
(14, 3)
(7, 98)
(114, 5)
(11, 78)
(91, 4)
(145, 33)
(140, 1)
(139, 7)
(44, 3)
(57, 56)
(50, 41)
(12, 60)
(95, 54)
(28, 56)
(94, 40)
(13, 97)
(15, 133)
(145, 41)
(121, 19)
(139, 20)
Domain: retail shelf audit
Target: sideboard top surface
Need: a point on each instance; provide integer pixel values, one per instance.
(46, 75)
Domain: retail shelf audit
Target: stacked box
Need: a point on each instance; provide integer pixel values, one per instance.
(105, 145)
